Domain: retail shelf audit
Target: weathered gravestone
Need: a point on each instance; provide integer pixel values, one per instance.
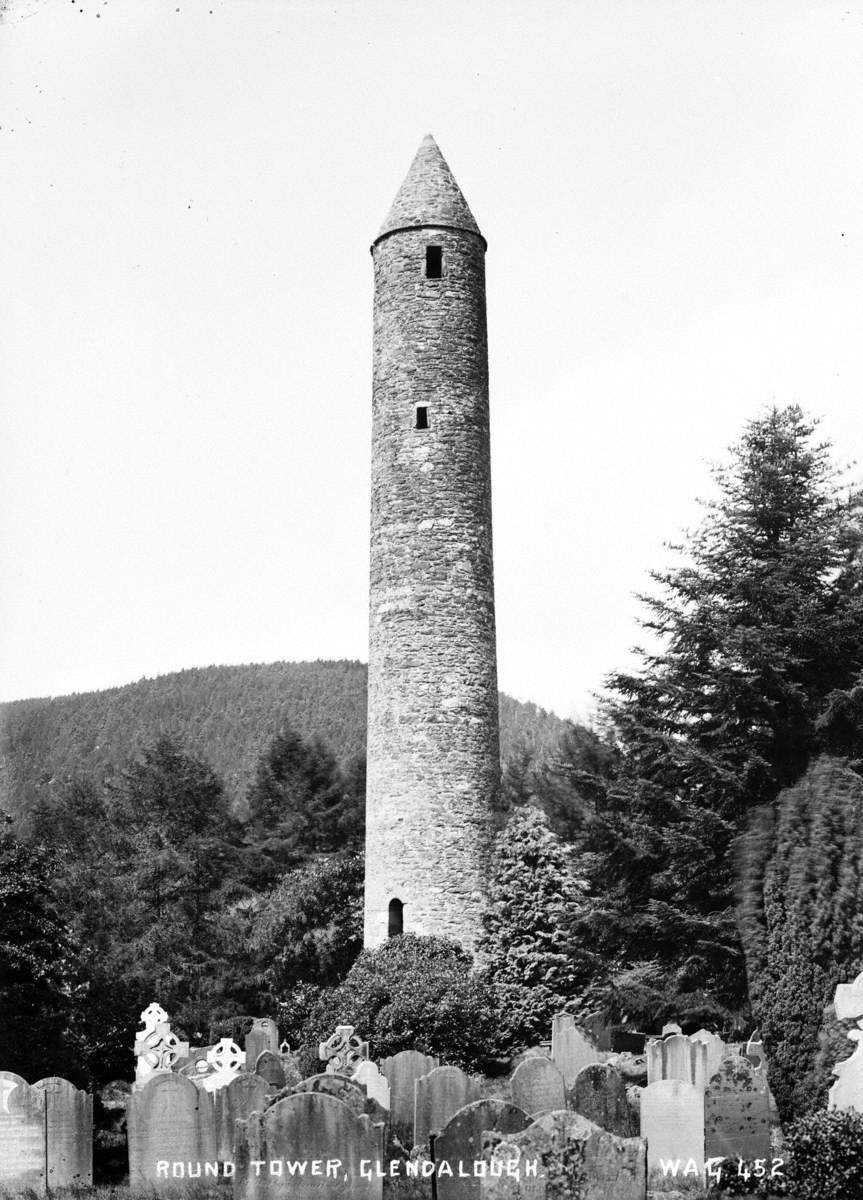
(537, 1086)
(570, 1049)
(677, 1057)
(343, 1051)
(736, 1121)
(264, 1035)
(438, 1096)
(462, 1142)
(366, 1073)
(402, 1070)
(309, 1146)
(227, 1061)
(563, 1153)
(236, 1102)
(68, 1133)
(598, 1030)
(347, 1090)
(716, 1049)
(670, 1029)
(170, 1124)
(270, 1067)
(599, 1093)
(22, 1133)
(672, 1124)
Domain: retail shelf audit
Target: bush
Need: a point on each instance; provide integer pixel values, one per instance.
(411, 993)
(825, 1153)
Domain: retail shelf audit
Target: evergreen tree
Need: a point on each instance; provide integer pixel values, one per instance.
(754, 633)
(301, 803)
(309, 927)
(37, 964)
(803, 923)
(533, 942)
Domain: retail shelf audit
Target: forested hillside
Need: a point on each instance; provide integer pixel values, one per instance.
(224, 715)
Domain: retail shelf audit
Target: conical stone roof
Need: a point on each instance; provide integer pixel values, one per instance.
(429, 196)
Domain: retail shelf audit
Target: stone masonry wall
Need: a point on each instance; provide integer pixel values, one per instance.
(433, 744)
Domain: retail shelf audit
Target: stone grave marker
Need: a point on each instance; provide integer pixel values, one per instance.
(264, 1035)
(377, 1088)
(608, 1167)
(343, 1088)
(402, 1070)
(343, 1051)
(736, 1122)
(227, 1060)
(670, 1029)
(317, 1130)
(677, 1057)
(716, 1050)
(270, 1067)
(22, 1134)
(672, 1123)
(438, 1096)
(463, 1141)
(168, 1120)
(537, 1086)
(243, 1095)
(69, 1133)
(570, 1049)
(599, 1093)
(598, 1030)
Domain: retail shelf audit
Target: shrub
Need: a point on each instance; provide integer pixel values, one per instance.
(825, 1151)
(411, 993)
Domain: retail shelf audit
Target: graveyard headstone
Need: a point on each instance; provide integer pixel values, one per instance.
(264, 1035)
(570, 1049)
(169, 1121)
(68, 1133)
(463, 1142)
(599, 1093)
(672, 1123)
(402, 1070)
(438, 1096)
(22, 1134)
(271, 1068)
(297, 1141)
(537, 1086)
(237, 1101)
(736, 1122)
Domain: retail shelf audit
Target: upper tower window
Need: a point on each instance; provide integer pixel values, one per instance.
(422, 421)
(434, 262)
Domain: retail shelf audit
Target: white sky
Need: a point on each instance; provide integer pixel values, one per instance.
(672, 197)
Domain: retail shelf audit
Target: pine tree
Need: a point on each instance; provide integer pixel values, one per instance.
(533, 944)
(38, 964)
(803, 901)
(754, 633)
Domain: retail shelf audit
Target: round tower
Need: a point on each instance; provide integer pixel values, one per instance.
(433, 741)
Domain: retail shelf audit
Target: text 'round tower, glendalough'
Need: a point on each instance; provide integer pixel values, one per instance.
(433, 741)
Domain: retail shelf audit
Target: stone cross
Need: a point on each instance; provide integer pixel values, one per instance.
(156, 1047)
(343, 1052)
(847, 1091)
(227, 1060)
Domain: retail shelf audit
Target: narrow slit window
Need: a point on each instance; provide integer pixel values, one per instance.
(396, 919)
(422, 421)
(434, 262)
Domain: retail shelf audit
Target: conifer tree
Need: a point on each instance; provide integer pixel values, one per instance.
(754, 632)
(532, 944)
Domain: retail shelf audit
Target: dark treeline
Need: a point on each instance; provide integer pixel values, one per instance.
(226, 716)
